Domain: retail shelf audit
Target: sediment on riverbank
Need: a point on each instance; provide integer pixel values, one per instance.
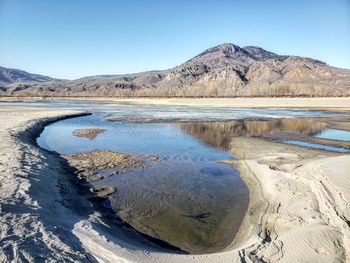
(36, 193)
(299, 202)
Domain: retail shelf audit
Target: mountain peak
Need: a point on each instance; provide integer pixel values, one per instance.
(223, 52)
(229, 51)
(228, 47)
(223, 70)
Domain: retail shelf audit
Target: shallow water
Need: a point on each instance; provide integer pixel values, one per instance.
(157, 113)
(332, 134)
(317, 146)
(189, 199)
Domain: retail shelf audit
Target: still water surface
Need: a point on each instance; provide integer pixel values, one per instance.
(332, 134)
(189, 200)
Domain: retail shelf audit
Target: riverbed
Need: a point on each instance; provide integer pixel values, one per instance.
(191, 198)
(46, 216)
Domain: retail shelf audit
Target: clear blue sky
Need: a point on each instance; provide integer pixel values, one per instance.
(76, 38)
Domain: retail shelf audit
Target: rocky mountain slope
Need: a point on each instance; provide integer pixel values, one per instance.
(9, 75)
(225, 70)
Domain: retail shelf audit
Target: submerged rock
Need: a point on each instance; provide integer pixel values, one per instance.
(103, 191)
(89, 163)
(88, 133)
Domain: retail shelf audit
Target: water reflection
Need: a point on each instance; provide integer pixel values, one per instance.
(317, 146)
(220, 134)
(332, 134)
(189, 199)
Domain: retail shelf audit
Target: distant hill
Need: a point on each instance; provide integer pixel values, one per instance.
(225, 70)
(9, 76)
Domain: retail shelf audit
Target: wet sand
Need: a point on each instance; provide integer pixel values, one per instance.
(299, 208)
(88, 165)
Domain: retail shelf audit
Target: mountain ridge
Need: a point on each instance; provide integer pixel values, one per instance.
(224, 70)
(12, 75)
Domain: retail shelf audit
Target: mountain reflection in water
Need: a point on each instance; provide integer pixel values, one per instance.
(220, 134)
(189, 200)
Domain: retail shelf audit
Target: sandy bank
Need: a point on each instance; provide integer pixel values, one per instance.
(299, 210)
(314, 103)
(299, 203)
(36, 193)
(335, 103)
